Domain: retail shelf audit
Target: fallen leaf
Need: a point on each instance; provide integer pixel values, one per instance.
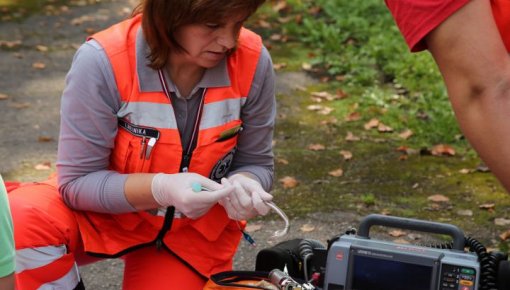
(465, 171)
(373, 123)
(323, 96)
(41, 48)
(331, 120)
(336, 173)
(482, 168)
(406, 150)
(314, 10)
(306, 66)
(289, 182)
(505, 235)
(347, 155)
(280, 5)
(502, 222)
(306, 228)
(384, 129)
(90, 30)
(316, 147)
(351, 137)
(386, 211)
(23, 105)
(487, 206)
(406, 134)
(39, 65)
(278, 66)
(263, 23)
(354, 116)
(403, 157)
(45, 138)
(314, 107)
(298, 18)
(438, 198)
(465, 212)
(340, 93)
(434, 206)
(10, 44)
(354, 106)
(250, 228)
(422, 115)
(43, 166)
(282, 161)
(340, 78)
(397, 233)
(275, 37)
(75, 45)
(80, 20)
(326, 111)
(3, 97)
(442, 149)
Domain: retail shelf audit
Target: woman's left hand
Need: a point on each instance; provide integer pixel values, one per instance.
(248, 198)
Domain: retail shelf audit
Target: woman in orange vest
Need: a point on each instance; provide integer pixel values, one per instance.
(164, 150)
(470, 42)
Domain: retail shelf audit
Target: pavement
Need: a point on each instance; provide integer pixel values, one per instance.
(35, 55)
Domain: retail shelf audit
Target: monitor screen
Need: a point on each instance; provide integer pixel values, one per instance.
(378, 274)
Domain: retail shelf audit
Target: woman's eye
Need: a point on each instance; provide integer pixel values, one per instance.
(212, 25)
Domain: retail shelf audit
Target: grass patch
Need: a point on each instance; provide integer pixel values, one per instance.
(355, 47)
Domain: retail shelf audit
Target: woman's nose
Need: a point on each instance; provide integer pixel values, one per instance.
(228, 39)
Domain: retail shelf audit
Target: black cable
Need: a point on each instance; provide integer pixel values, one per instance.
(488, 261)
(305, 249)
(488, 264)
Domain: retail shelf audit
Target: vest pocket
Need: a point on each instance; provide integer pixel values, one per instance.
(139, 156)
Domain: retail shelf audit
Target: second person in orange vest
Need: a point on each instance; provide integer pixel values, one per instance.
(176, 96)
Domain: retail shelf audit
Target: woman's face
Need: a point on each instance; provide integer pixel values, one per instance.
(207, 44)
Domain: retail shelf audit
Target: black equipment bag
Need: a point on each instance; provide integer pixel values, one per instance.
(284, 254)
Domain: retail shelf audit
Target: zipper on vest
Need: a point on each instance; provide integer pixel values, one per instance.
(167, 225)
(186, 158)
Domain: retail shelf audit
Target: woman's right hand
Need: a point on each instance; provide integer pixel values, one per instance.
(177, 190)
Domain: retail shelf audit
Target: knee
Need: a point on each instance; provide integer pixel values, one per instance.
(40, 217)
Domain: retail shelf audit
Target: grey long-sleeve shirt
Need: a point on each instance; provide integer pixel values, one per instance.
(90, 107)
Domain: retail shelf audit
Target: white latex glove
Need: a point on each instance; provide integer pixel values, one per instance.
(247, 200)
(176, 190)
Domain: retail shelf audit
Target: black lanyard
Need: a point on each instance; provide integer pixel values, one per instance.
(186, 157)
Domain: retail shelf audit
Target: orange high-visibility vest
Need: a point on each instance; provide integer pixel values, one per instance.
(207, 244)
(501, 12)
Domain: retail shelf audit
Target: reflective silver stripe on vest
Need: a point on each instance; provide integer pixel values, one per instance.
(218, 113)
(31, 258)
(148, 114)
(68, 281)
(162, 115)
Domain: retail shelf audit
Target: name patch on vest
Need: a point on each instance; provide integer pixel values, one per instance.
(222, 167)
(139, 131)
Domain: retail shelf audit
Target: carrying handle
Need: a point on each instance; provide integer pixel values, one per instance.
(412, 224)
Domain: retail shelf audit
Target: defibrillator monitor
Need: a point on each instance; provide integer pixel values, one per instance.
(370, 273)
(357, 262)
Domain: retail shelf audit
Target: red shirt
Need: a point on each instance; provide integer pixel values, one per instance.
(416, 18)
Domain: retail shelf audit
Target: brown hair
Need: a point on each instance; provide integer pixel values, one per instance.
(161, 18)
